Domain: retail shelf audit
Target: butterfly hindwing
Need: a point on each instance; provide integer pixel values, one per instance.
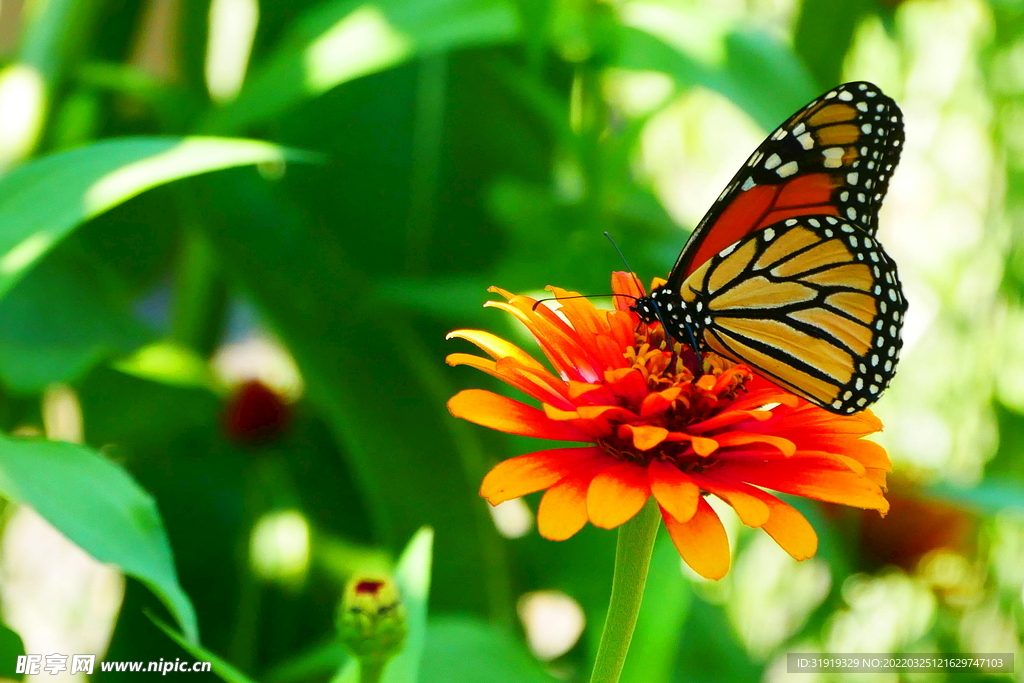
(812, 303)
(834, 156)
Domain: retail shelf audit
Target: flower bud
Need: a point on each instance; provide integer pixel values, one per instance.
(371, 618)
(256, 414)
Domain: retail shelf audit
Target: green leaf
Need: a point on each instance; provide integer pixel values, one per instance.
(11, 648)
(766, 78)
(100, 508)
(644, 51)
(161, 410)
(1007, 463)
(65, 316)
(760, 73)
(713, 652)
(341, 40)
(318, 660)
(45, 199)
(413, 578)
(224, 671)
(169, 363)
(823, 35)
(466, 650)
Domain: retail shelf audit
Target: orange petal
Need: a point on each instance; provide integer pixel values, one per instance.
(674, 490)
(541, 386)
(563, 509)
(621, 328)
(701, 542)
(706, 382)
(785, 446)
(595, 412)
(810, 419)
(877, 476)
(587, 324)
(496, 347)
(659, 402)
(764, 396)
(751, 509)
(558, 414)
(645, 437)
(611, 350)
(488, 409)
(628, 383)
(703, 445)
(732, 377)
(592, 328)
(557, 340)
(578, 389)
(616, 494)
(627, 284)
(790, 529)
(818, 477)
(581, 313)
(536, 471)
(508, 296)
(729, 417)
(867, 453)
(542, 379)
(854, 465)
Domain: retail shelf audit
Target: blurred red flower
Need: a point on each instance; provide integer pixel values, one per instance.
(256, 414)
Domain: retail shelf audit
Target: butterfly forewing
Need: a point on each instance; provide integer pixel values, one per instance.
(812, 303)
(784, 274)
(833, 157)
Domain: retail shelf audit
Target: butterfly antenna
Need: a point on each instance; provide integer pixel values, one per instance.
(624, 261)
(538, 302)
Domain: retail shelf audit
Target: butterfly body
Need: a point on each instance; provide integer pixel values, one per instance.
(784, 273)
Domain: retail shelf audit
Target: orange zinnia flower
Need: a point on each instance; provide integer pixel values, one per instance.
(655, 428)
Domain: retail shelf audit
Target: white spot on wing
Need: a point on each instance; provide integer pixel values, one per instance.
(833, 156)
(787, 169)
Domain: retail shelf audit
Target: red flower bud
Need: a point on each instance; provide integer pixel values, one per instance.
(255, 414)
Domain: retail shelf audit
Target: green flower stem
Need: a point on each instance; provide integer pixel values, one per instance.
(371, 669)
(632, 560)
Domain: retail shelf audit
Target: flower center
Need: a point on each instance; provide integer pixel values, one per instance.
(675, 400)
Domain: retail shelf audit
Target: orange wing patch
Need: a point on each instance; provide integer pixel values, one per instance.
(833, 157)
(855, 336)
(826, 113)
(797, 381)
(818, 256)
(757, 293)
(785, 245)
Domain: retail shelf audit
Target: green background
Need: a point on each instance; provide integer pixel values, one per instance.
(367, 171)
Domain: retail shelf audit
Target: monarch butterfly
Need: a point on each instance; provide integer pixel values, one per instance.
(783, 273)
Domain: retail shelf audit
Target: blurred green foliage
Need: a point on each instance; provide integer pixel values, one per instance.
(347, 178)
